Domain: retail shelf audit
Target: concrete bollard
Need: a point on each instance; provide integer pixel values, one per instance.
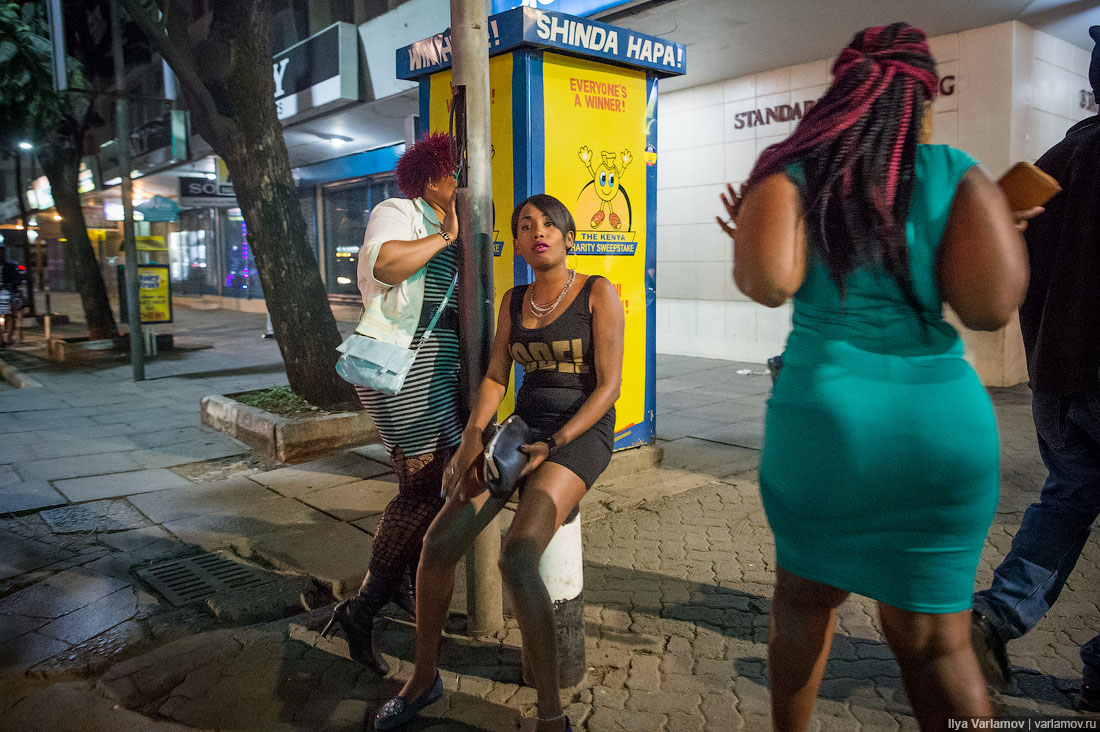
(562, 571)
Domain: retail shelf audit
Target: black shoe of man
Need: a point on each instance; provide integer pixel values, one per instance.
(990, 649)
(1088, 699)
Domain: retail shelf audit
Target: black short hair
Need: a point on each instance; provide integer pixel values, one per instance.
(550, 206)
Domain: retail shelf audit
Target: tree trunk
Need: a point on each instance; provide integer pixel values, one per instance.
(255, 154)
(61, 163)
(228, 86)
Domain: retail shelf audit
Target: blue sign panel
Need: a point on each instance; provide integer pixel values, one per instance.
(544, 29)
(582, 8)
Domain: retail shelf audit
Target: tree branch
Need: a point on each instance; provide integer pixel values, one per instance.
(182, 66)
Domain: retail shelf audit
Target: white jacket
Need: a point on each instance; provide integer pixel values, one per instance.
(391, 313)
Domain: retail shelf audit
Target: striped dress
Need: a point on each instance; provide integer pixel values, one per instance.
(424, 416)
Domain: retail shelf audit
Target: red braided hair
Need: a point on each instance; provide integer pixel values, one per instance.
(858, 148)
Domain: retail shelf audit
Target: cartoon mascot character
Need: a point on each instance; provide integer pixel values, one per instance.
(606, 179)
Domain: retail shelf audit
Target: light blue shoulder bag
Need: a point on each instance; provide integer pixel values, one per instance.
(383, 366)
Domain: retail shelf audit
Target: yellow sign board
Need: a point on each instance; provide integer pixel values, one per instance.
(151, 244)
(500, 110)
(595, 141)
(574, 115)
(155, 294)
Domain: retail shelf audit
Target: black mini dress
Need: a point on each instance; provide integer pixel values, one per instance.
(559, 374)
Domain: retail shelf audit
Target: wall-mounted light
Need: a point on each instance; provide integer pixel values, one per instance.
(343, 280)
(57, 217)
(24, 145)
(334, 140)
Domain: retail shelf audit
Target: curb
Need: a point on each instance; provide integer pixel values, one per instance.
(15, 377)
(287, 440)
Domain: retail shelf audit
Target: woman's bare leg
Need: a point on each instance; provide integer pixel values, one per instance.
(550, 495)
(448, 538)
(938, 665)
(800, 633)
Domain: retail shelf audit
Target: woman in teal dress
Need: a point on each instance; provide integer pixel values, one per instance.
(879, 473)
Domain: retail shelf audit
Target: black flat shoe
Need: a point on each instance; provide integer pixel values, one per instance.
(398, 711)
(360, 637)
(990, 650)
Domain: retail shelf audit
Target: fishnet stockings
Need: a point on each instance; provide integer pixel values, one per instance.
(407, 517)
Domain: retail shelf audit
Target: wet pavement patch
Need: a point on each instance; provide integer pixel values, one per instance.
(97, 516)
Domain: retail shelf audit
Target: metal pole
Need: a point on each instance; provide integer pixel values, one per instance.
(470, 49)
(129, 245)
(59, 60)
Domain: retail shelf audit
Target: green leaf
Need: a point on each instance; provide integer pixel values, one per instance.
(7, 51)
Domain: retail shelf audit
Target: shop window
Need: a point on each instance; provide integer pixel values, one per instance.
(347, 209)
(192, 265)
(240, 278)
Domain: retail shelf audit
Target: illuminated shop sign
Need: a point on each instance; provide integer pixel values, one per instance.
(87, 178)
(319, 73)
(156, 145)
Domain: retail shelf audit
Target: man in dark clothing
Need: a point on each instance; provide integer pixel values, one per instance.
(10, 296)
(1060, 320)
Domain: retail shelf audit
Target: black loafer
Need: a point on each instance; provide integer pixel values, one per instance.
(990, 650)
(398, 711)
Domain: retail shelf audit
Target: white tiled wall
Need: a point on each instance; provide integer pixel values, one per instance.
(1016, 94)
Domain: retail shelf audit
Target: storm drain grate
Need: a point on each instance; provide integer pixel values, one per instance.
(190, 579)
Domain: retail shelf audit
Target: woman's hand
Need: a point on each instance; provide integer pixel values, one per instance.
(1022, 217)
(455, 472)
(450, 222)
(536, 453)
(732, 202)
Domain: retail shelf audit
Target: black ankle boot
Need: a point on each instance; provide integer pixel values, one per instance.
(406, 595)
(356, 617)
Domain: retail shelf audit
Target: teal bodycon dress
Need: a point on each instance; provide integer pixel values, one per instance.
(879, 473)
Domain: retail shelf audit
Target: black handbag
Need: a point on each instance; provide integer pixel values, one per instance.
(504, 460)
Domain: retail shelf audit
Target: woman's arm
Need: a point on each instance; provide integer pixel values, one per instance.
(399, 260)
(608, 325)
(489, 396)
(982, 265)
(769, 253)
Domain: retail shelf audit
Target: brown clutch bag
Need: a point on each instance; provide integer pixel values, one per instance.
(1026, 186)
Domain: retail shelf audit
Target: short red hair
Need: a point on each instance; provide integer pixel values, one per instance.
(428, 160)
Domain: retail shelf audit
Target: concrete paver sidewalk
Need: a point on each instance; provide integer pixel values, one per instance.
(679, 568)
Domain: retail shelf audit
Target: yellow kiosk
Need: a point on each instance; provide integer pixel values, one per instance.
(574, 114)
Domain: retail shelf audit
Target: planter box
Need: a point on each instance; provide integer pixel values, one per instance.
(287, 440)
(82, 349)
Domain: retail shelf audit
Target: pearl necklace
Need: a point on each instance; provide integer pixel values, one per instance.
(541, 311)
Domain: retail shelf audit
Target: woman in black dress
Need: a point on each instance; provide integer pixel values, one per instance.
(566, 330)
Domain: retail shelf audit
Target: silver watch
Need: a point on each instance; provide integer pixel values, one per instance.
(446, 237)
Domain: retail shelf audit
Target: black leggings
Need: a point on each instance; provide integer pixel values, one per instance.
(407, 517)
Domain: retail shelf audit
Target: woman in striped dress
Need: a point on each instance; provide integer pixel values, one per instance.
(406, 267)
